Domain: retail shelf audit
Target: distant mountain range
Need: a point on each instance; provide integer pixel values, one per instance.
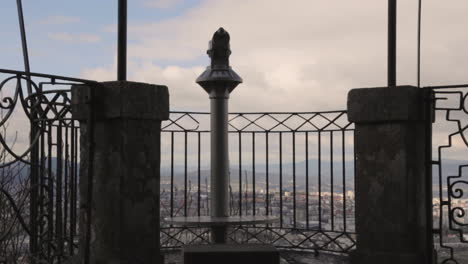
(449, 168)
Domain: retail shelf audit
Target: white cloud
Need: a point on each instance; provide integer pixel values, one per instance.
(162, 4)
(100, 74)
(59, 20)
(303, 56)
(74, 38)
(180, 80)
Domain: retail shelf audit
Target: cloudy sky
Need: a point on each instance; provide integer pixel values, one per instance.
(299, 55)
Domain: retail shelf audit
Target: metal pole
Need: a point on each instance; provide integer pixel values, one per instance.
(219, 80)
(419, 42)
(33, 210)
(219, 160)
(392, 28)
(24, 43)
(122, 42)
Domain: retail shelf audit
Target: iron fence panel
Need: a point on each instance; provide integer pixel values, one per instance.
(297, 166)
(449, 172)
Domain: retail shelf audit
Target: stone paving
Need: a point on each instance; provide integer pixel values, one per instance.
(287, 257)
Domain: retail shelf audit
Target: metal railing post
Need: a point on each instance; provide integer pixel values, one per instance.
(392, 29)
(122, 41)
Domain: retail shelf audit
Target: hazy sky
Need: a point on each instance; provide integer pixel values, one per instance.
(297, 55)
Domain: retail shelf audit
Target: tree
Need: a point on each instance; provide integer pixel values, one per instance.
(13, 205)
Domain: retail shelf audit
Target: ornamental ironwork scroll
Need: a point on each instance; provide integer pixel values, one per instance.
(39, 157)
(450, 173)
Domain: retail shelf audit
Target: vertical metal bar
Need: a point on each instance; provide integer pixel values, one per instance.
(246, 197)
(172, 173)
(343, 165)
(42, 182)
(199, 173)
(253, 173)
(122, 42)
(320, 178)
(307, 177)
(419, 41)
(240, 172)
(66, 186)
(207, 198)
(294, 176)
(73, 189)
(441, 198)
(281, 176)
(24, 44)
(75, 183)
(185, 173)
(354, 175)
(267, 201)
(58, 204)
(33, 209)
(392, 42)
(33, 246)
(332, 196)
(50, 186)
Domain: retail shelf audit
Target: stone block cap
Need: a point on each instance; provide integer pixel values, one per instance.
(121, 99)
(383, 104)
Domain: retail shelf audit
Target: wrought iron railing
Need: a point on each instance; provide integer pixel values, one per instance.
(450, 172)
(39, 168)
(297, 166)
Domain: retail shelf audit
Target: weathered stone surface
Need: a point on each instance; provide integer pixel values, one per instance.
(75, 259)
(126, 174)
(121, 99)
(391, 178)
(383, 104)
(82, 187)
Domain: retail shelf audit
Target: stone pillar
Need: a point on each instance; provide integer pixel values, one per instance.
(126, 169)
(391, 179)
